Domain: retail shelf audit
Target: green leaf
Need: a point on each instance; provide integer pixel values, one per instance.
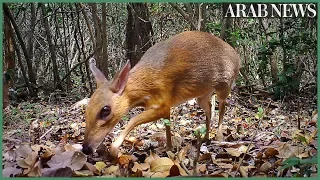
(166, 122)
(203, 130)
(312, 160)
(290, 162)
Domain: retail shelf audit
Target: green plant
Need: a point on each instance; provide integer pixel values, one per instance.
(303, 164)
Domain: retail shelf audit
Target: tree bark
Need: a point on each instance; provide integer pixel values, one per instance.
(100, 39)
(53, 55)
(31, 74)
(9, 62)
(138, 32)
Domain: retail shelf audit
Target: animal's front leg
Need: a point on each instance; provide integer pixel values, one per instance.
(152, 114)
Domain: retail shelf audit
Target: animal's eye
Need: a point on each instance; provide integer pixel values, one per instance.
(105, 111)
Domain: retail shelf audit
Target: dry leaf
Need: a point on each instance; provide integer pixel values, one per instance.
(111, 170)
(57, 172)
(174, 171)
(151, 158)
(78, 160)
(271, 152)
(124, 160)
(100, 165)
(141, 167)
(265, 167)
(161, 164)
(11, 171)
(201, 168)
(24, 150)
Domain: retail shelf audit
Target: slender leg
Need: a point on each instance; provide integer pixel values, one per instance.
(152, 114)
(205, 104)
(222, 96)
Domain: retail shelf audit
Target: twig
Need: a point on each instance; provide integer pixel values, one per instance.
(185, 15)
(75, 66)
(195, 161)
(46, 133)
(185, 168)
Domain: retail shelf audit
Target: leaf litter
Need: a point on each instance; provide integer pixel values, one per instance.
(49, 145)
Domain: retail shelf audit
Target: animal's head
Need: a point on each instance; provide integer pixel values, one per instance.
(105, 107)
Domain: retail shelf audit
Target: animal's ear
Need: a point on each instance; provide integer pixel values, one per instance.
(120, 79)
(99, 76)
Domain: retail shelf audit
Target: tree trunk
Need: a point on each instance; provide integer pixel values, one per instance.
(53, 55)
(9, 62)
(138, 32)
(31, 74)
(100, 39)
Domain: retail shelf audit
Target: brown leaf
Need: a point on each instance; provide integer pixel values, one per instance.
(36, 170)
(83, 173)
(174, 171)
(69, 147)
(138, 173)
(151, 158)
(201, 168)
(157, 174)
(265, 167)
(271, 152)
(205, 156)
(124, 160)
(90, 167)
(24, 150)
(141, 167)
(111, 170)
(161, 164)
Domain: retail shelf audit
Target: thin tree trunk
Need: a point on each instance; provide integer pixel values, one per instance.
(32, 76)
(138, 31)
(53, 55)
(9, 63)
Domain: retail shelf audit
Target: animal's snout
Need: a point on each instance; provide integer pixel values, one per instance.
(86, 149)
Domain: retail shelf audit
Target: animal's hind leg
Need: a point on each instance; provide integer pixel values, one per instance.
(222, 94)
(205, 104)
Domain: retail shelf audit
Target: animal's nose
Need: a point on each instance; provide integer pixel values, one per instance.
(87, 149)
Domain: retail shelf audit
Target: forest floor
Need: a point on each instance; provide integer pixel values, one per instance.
(44, 139)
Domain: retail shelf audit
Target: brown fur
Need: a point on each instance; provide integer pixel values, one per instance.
(188, 65)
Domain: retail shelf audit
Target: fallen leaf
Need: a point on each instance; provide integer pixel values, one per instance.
(204, 157)
(174, 171)
(57, 172)
(141, 167)
(83, 173)
(271, 152)
(61, 160)
(36, 171)
(111, 170)
(202, 168)
(78, 160)
(265, 167)
(100, 165)
(69, 147)
(24, 150)
(151, 158)
(90, 167)
(161, 164)
(11, 171)
(124, 160)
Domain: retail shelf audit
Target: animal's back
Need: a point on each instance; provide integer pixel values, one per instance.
(187, 65)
